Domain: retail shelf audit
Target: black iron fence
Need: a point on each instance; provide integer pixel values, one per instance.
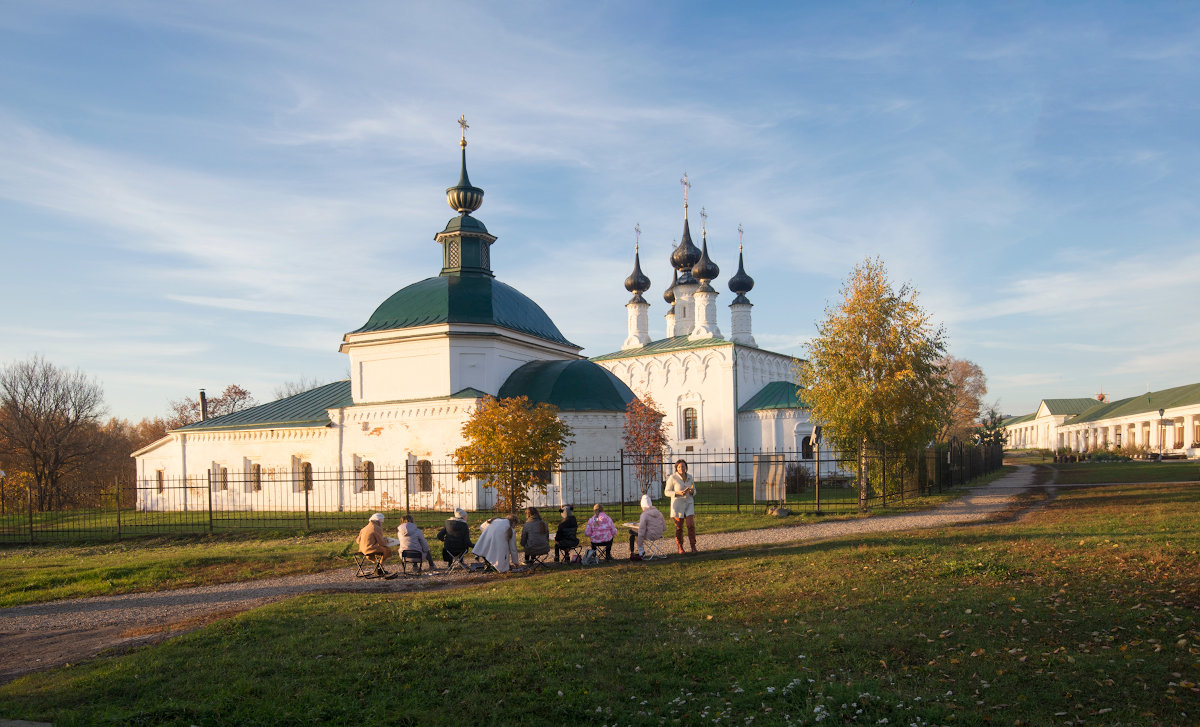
(310, 499)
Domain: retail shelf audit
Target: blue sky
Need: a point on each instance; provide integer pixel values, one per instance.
(200, 193)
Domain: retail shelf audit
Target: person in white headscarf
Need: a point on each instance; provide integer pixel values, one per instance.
(650, 527)
(411, 538)
(372, 543)
(455, 536)
(498, 543)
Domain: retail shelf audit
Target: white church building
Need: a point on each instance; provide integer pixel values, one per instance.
(426, 357)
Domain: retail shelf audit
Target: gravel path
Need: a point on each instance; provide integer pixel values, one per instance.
(46, 635)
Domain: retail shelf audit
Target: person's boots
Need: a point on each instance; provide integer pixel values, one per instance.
(679, 539)
(691, 537)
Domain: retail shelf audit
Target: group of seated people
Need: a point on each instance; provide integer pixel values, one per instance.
(498, 540)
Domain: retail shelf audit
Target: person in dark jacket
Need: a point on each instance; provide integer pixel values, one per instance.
(567, 536)
(455, 536)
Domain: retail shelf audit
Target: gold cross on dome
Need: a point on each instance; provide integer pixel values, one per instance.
(703, 220)
(686, 186)
(739, 237)
(462, 121)
(637, 231)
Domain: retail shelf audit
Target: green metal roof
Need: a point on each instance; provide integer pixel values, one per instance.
(1148, 403)
(665, 345)
(575, 385)
(1018, 420)
(463, 299)
(302, 410)
(776, 395)
(1069, 406)
(468, 393)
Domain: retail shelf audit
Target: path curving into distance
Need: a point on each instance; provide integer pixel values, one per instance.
(46, 635)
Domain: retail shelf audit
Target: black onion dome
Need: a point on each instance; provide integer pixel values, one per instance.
(741, 283)
(462, 197)
(637, 282)
(705, 268)
(685, 256)
(669, 293)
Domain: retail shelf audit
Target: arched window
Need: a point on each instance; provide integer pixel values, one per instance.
(690, 427)
(806, 448)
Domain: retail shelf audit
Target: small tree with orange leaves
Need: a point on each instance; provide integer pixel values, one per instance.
(512, 446)
(645, 439)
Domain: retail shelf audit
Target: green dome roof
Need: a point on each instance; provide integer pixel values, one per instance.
(578, 385)
(463, 299)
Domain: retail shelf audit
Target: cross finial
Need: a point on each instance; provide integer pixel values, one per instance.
(462, 121)
(686, 186)
(739, 237)
(637, 231)
(704, 221)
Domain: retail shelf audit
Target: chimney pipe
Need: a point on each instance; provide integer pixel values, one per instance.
(203, 406)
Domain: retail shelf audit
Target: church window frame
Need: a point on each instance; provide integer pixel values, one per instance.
(689, 422)
(218, 476)
(424, 472)
(364, 475)
(302, 475)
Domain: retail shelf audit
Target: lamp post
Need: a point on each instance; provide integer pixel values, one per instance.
(1160, 433)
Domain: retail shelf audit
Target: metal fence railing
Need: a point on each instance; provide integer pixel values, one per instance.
(308, 499)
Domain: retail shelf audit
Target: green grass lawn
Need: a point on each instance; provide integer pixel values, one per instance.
(31, 574)
(1082, 613)
(1092, 473)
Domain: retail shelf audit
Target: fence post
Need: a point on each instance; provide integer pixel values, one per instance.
(117, 487)
(29, 500)
(307, 489)
(737, 475)
(622, 467)
(817, 486)
(210, 517)
(883, 471)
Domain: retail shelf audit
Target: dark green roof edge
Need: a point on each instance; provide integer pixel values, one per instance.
(664, 345)
(775, 395)
(307, 409)
(1069, 406)
(1018, 420)
(570, 385)
(463, 299)
(1151, 402)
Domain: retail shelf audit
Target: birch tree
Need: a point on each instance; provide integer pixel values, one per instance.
(873, 375)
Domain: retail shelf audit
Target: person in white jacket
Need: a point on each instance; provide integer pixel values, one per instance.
(650, 527)
(411, 538)
(498, 543)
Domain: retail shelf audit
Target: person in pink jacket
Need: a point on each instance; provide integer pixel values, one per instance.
(601, 531)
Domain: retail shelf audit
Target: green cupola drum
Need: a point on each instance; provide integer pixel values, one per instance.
(465, 241)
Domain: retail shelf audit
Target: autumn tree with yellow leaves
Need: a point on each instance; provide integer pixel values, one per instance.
(874, 376)
(512, 446)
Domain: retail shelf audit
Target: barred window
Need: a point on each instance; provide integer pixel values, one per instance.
(365, 474)
(255, 478)
(424, 475)
(690, 424)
